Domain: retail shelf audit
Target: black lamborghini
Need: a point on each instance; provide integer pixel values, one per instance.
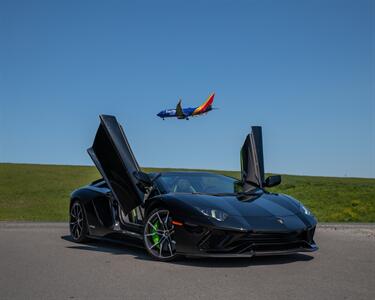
(188, 213)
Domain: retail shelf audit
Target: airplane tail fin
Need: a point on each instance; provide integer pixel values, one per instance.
(207, 104)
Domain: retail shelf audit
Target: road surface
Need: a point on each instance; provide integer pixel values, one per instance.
(39, 261)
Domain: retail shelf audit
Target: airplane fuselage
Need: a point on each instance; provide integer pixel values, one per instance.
(185, 113)
(171, 113)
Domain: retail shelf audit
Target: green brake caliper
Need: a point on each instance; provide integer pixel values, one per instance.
(155, 236)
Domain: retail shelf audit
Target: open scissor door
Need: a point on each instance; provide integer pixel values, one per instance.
(252, 165)
(115, 161)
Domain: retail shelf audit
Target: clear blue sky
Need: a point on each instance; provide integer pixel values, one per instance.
(304, 70)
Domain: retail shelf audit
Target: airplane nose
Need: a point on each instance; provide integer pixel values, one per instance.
(159, 114)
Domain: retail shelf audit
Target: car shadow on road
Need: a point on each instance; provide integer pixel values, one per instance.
(112, 247)
(244, 262)
(135, 249)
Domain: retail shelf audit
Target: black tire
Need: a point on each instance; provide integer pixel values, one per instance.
(159, 243)
(78, 222)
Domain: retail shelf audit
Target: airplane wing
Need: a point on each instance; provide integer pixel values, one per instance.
(179, 112)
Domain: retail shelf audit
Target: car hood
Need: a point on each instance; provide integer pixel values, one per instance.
(261, 205)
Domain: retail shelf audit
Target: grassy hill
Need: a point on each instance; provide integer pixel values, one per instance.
(41, 193)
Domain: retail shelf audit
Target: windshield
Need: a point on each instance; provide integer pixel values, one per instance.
(202, 183)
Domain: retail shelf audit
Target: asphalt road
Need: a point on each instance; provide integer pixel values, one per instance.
(38, 261)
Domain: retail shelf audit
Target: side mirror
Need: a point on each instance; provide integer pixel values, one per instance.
(272, 181)
(143, 178)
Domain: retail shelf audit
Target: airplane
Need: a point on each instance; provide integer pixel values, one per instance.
(185, 113)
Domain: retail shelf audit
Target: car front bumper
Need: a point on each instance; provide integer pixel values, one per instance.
(214, 242)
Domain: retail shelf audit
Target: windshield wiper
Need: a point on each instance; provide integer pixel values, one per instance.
(214, 194)
(248, 193)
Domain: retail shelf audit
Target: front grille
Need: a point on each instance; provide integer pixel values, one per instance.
(219, 241)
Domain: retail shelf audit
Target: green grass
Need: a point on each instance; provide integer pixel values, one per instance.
(41, 193)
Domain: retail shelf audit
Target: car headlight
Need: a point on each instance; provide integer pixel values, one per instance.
(214, 213)
(305, 210)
